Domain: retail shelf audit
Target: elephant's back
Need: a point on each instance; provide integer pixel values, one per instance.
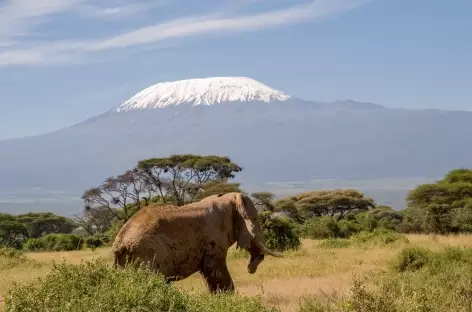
(140, 229)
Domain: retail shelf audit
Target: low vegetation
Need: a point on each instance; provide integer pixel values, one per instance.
(429, 273)
(95, 286)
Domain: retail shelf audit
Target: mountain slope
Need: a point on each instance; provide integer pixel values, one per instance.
(284, 139)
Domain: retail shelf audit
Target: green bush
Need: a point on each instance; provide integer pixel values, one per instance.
(378, 237)
(380, 217)
(279, 232)
(347, 228)
(321, 228)
(312, 304)
(96, 286)
(335, 243)
(94, 242)
(412, 259)
(54, 242)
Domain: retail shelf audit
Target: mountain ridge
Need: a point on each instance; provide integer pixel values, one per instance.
(290, 140)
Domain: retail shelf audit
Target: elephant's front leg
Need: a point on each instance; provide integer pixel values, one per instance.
(218, 279)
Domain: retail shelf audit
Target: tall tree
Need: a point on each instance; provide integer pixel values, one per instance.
(179, 178)
(95, 220)
(118, 193)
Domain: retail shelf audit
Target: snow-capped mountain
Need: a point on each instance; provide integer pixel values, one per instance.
(273, 136)
(202, 91)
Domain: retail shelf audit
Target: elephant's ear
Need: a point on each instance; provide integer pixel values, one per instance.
(246, 221)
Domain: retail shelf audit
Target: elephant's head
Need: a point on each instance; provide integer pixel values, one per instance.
(248, 232)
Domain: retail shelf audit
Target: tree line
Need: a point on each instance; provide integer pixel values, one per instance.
(441, 207)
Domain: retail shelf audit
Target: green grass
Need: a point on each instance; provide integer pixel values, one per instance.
(95, 286)
(422, 273)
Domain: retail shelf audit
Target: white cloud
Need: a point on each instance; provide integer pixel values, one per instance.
(206, 25)
(120, 10)
(19, 17)
(176, 29)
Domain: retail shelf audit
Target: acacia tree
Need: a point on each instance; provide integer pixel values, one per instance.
(41, 223)
(117, 193)
(12, 231)
(96, 220)
(334, 203)
(264, 201)
(177, 179)
(180, 178)
(455, 190)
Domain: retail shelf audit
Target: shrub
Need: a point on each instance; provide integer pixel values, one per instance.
(321, 227)
(449, 290)
(378, 237)
(347, 228)
(412, 259)
(335, 243)
(380, 217)
(96, 286)
(279, 232)
(312, 304)
(412, 222)
(94, 242)
(54, 242)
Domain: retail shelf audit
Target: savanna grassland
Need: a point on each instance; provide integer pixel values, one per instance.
(343, 251)
(401, 273)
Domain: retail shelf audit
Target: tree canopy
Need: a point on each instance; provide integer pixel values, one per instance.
(446, 205)
(335, 203)
(181, 177)
(454, 190)
(264, 200)
(42, 223)
(177, 179)
(11, 230)
(14, 229)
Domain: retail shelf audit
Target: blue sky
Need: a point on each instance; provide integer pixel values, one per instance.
(62, 61)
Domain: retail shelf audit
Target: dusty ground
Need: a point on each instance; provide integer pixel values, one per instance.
(281, 282)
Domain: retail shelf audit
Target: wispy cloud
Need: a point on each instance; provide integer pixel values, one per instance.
(213, 23)
(120, 10)
(19, 17)
(206, 25)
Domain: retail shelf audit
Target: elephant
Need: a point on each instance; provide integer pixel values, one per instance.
(180, 241)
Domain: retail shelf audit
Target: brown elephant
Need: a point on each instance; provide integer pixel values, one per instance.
(180, 241)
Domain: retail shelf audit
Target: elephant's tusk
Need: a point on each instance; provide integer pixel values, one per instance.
(266, 250)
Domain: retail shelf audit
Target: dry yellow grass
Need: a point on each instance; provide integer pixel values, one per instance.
(281, 282)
